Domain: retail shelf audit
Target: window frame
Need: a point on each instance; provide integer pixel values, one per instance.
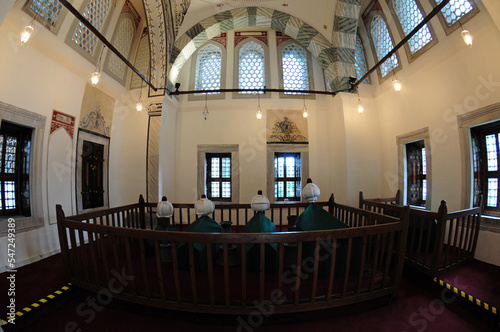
(21, 133)
(449, 29)
(286, 179)
(413, 56)
(479, 133)
(37, 122)
(272, 149)
(209, 179)
(371, 15)
(420, 176)
(310, 76)
(401, 141)
(236, 73)
(465, 122)
(203, 150)
(85, 135)
(194, 60)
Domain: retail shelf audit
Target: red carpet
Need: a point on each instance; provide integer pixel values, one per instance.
(413, 309)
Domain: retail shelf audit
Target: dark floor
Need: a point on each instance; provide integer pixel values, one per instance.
(416, 307)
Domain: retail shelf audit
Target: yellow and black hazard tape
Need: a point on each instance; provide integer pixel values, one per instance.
(37, 304)
(468, 297)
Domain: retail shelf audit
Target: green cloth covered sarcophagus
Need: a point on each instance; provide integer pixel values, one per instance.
(261, 224)
(315, 218)
(204, 224)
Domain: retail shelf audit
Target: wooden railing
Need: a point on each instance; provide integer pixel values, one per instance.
(105, 250)
(437, 241)
(237, 214)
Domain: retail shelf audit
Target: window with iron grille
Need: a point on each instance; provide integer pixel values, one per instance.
(409, 16)
(456, 10)
(287, 177)
(486, 156)
(218, 177)
(294, 68)
(47, 11)
(251, 66)
(383, 45)
(416, 167)
(15, 142)
(208, 68)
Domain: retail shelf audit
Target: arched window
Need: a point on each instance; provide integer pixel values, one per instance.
(122, 41)
(360, 60)
(208, 68)
(251, 66)
(409, 16)
(96, 13)
(294, 66)
(456, 9)
(383, 44)
(141, 61)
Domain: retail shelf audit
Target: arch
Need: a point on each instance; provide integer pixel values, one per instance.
(310, 38)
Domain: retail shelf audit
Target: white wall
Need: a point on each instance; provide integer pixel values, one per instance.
(45, 75)
(448, 80)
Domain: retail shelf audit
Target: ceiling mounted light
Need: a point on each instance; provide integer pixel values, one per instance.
(28, 30)
(395, 83)
(466, 36)
(205, 110)
(259, 110)
(305, 113)
(96, 75)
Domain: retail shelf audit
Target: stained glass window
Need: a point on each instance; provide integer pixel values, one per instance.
(208, 68)
(48, 10)
(95, 12)
(410, 16)
(122, 40)
(295, 72)
(287, 177)
(218, 176)
(15, 146)
(486, 148)
(251, 67)
(383, 45)
(455, 10)
(360, 61)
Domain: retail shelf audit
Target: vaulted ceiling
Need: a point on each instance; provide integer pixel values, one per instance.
(178, 27)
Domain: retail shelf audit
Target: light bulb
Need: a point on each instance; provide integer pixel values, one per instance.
(138, 106)
(259, 114)
(360, 107)
(467, 37)
(305, 114)
(396, 84)
(26, 34)
(95, 78)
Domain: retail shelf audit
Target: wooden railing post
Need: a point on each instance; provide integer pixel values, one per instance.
(439, 240)
(331, 201)
(403, 238)
(63, 240)
(142, 212)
